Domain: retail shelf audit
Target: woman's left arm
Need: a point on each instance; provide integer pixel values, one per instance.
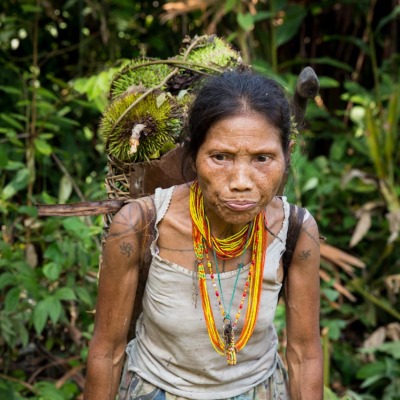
(302, 297)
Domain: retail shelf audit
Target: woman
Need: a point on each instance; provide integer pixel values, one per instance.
(206, 331)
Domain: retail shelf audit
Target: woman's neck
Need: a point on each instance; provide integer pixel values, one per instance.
(224, 230)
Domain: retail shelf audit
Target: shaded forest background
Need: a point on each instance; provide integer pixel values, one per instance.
(57, 61)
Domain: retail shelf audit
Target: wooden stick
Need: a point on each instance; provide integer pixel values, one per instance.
(82, 208)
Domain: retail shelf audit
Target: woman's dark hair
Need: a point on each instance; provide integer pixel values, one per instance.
(235, 93)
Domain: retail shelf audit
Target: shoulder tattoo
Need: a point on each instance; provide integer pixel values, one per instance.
(305, 255)
(126, 249)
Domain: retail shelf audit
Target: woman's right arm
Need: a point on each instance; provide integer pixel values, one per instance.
(118, 281)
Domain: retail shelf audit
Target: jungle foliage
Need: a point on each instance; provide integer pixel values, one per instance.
(57, 61)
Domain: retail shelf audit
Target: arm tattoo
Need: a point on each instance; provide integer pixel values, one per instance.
(126, 249)
(305, 255)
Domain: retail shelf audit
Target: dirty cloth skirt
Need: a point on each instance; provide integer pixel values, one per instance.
(133, 387)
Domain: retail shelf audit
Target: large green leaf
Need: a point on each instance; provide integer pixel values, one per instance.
(11, 90)
(65, 293)
(31, 8)
(261, 15)
(291, 25)
(6, 278)
(392, 16)
(76, 227)
(230, 5)
(52, 270)
(12, 299)
(390, 348)
(18, 183)
(7, 391)
(48, 391)
(329, 394)
(53, 253)
(54, 308)
(40, 315)
(3, 157)
(96, 87)
(376, 368)
(245, 21)
(84, 295)
(12, 121)
(65, 189)
(42, 146)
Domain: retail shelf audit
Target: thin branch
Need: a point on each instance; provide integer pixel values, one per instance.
(59, 361)
(73, 373)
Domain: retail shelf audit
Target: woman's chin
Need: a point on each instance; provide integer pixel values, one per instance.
(239, 218)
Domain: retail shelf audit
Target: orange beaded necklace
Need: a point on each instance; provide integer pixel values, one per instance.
(230, 247)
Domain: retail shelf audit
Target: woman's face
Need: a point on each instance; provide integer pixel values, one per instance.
(240, 166)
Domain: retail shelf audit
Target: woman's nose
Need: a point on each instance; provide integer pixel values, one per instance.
(241, 177)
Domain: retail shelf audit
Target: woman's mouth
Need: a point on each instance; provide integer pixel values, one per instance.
(240, 205)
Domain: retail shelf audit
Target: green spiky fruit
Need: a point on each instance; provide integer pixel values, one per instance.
(214, 52)
(154, 121)
(135, 75)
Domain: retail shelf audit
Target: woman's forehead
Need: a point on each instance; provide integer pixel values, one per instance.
(242, 125)
(241, 135)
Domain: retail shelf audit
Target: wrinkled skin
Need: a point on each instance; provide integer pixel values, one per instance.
(240, 166)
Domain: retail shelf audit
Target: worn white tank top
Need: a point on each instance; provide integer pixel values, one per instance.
(172, 349)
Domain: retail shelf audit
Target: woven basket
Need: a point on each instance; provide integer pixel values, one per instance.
(134, 180)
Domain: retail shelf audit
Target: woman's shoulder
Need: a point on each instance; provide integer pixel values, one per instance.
(295, 209)
(179, 202)
(173, 219)
(300, 218)
(180, 196)
(281, 212)
(135, 214)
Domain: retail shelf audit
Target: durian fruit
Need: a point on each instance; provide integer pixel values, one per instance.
(138, 74)
(152, 126)
(212, 51)
(207, 54)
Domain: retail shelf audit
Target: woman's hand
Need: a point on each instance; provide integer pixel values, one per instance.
(118, 282)
(302, 296)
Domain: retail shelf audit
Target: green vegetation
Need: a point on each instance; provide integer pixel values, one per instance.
(58, 60)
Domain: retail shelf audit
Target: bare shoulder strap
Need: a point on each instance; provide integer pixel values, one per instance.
(145, 240)
(296, 218)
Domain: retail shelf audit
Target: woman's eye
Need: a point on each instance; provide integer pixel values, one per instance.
(220, 157)
(262, 158)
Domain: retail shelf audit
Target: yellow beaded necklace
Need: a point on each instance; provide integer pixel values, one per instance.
(225, 249)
